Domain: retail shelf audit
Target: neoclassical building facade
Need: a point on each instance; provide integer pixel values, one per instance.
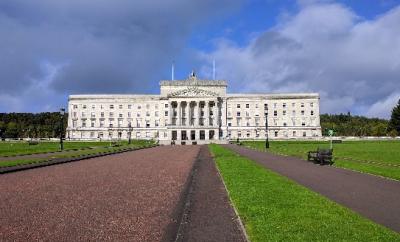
(194, 111)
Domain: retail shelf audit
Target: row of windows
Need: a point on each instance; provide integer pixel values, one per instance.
(120, 124)
(120, 106)
(257, 123)
(120, 115)
(284, 105)
(302, 112)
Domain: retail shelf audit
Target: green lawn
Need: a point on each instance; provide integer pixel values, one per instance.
(23, 148)
(273, 208)
(103, 148)
(374, 157)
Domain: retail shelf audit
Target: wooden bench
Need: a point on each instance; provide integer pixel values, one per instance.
(321, 156)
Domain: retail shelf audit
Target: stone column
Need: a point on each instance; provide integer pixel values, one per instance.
(187, 111)
(196, 113)
(169, 113)
(207, 114)
(216, 113)
(178, 114)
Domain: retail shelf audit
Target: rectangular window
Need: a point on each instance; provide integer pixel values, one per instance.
(75, 106)
(120, 115)
(302, 112)
(93, 106)
(238, 114)
(284, 105)
(302, 105)
(284, 112)
(311, 104)
(83, 124)
(238, 105)
(101, 123)
(111, 114)
(129, 106)
(166, 105)
(303, 124)
(275, 113)
(84, 106)
(156, 114)
(247, 105)
(312, 113)
(129, 114)
(276, 133)
(111, 106)
(293, 113)
(265, 106)
(120, 106)
(166, 113)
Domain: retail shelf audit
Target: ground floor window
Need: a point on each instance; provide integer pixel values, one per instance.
(174, 135)
(211, 134)
(193, 135)
(276, 133)
(202, 135)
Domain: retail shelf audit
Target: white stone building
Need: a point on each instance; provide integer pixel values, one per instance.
(193, 111)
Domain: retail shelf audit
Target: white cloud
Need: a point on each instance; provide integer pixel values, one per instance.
(326, 48)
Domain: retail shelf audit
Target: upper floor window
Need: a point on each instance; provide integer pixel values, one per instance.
(238, 114)
(302, 112)
(265, 106)
(166, 105)
(284, 105)
(111, 106)
(129, 106)
(275, 113)
(75, 106)
(284, 112)
(311, 104)
(84, 106)
(247, 105)
(238, 105)
(120, 106)
(302, 105)
(93, 106)
(312, 113)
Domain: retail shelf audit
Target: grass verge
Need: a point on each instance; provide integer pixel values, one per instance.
(273, 208)
(374, 157)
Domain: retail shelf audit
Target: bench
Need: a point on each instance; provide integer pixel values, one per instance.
(33, 142)
(321, 156)
(337, 141)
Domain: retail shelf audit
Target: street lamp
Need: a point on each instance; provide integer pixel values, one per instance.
(130, 133)
(62, 112)
(266, 131)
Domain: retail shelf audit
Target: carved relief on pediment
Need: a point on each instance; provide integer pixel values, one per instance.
(193, 92)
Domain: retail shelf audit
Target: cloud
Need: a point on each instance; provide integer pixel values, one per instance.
(97, 45)
(324, 47)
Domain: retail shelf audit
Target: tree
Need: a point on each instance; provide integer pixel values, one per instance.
(394, 123)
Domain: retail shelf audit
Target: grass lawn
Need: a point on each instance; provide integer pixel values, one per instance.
(23, 148)
(374, 157)
(273, 208)
(104, 148)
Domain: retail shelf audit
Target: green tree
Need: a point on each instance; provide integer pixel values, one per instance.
(394, 123)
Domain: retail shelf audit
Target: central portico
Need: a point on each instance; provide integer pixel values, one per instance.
(196, 108)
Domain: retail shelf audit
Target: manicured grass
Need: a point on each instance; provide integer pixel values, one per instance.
(374, 157)
(273, 208)
(23, 148)
(18, 162)
(76, 153)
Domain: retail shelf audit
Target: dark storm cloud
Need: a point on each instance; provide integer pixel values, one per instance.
(74, 46)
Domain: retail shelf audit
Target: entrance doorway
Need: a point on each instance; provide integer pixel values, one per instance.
(183, 135)
(193, 135)
(174, 135)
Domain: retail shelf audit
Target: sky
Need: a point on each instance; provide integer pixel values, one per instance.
(347, 51)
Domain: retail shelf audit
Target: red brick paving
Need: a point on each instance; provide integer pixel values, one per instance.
(129, 197)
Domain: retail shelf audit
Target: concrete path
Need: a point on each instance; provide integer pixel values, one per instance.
(373, 197)
(209, 215)
(125, 197)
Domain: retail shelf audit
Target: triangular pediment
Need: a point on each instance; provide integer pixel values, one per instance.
(193, 92)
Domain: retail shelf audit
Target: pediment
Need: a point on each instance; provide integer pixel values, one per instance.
(193, 92)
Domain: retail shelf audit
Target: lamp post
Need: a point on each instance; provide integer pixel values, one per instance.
(62, 112)
(266, 131)
(130, 133)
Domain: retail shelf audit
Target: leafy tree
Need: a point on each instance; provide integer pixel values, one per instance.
(394, 123)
